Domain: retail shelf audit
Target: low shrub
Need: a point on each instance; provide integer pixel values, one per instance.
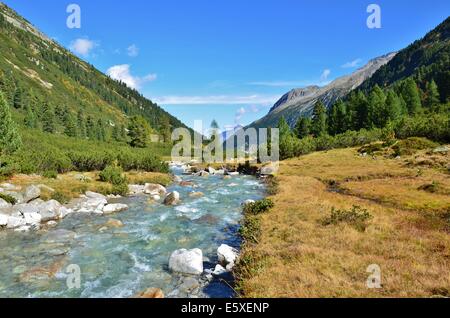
(411, 145)
(8, 198)
(50, 174)
(356, 217)
(113, 174)
(258, 207)
(60, 197)
(250, 229)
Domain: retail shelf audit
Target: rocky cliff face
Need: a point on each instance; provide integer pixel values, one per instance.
(300, 102)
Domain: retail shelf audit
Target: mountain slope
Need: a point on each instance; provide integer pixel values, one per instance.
(300, 101)
(426, 59)
(39, 71)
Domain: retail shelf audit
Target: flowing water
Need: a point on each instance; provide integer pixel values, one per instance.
(121, 262)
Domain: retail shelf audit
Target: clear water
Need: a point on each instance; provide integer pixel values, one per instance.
(123, 261)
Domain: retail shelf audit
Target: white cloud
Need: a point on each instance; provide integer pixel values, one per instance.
(352, 64)
(239, 113)
(217, 100)
(82, 46)
(325, 74)
(122, 73)
(133, 50)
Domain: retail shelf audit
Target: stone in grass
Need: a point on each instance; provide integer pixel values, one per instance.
(188, 262)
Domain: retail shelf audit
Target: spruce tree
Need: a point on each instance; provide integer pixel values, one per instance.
(115, 134)
(376, 108)
(101, 132)
(393, 107)
(139, 131)
(91, 129)
(319, 122)
(70, 126)
(410, 93)
(81, 125)
(18, 98)
(432, 98)
(303, 127)
(285, 139)
(337, 118)
(10, 140)
(48, 119)
(30, 118)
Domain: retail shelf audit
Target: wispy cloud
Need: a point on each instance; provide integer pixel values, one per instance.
(246, 110)
(352, 64)
(218, 100)
(133, 50)
(82, 47)
(325, 74)
(280, 83)
(122, 73)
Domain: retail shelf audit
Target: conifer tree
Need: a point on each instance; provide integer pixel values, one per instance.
(432, 98)
(393, 107)
(81, 125)
(48, 118)
(411, 95)
(10, 140)
(30, 118)
(139, 131)
(376, 108)
(70, 126)
(319, 121)
(285, 139)
(303, 127)
(100, 130)
(337, 118)
(91, 130)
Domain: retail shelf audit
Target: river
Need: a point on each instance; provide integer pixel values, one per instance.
(120, 262)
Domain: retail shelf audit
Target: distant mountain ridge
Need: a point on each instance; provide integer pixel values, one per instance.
(300, 102)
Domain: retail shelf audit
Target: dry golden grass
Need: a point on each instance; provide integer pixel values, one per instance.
(298, 257)
(70, 187)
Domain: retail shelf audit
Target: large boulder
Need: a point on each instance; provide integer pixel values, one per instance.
(135, 189)
(16, 195)
(3, 219)
(227, 256)
(114, 208)
(50, 211)
(94, 195)
(172, 198)
(33, 218)
(93, 205)
(15, 222)
(154, 189)
(187, 261)
(32, 192)
(4, 204)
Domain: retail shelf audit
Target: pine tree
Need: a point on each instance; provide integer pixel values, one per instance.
(165, 129)
(81, 125)
(100, 130)
(70, 126)
(376, 108)
(48, 119)
(432, 98)
(411, 95)
(18, 98)
(115, 134)
(393, 107)
(10, 140)
(30, 118)
(337, 118)
(139, 131)
(357, 106)
(319, 122)
(91, 129)
(303, 127)
(285, 139)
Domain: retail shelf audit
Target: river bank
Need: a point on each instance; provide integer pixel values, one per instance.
(126, 253)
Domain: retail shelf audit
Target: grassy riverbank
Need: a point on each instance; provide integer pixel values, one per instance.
(393, 212)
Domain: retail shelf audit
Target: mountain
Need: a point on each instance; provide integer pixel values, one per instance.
(36, 72)
(426, 59)
(300, 101)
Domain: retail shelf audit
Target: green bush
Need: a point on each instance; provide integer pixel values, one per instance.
(258, 207)
(412, 145)
(120, 189)
(250, 229)
(60, 197)
(113, 174)
(8, 198)
(51, 174)
(356, 217)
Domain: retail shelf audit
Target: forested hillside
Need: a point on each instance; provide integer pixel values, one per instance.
(51, 89)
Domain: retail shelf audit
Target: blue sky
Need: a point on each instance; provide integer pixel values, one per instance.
(230, 59)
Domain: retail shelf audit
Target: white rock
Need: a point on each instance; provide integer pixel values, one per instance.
(219, 270)
(154, 189)
(227, 254)
(3, 220)
(93, 195)
(233, 173)
(156, 198)
(4, 204)
(15, 222)
(32, 218)
(135, 189)
(220, 172)
(50, 211)
(187, 261)
(211, 170)
(32, 192)
(114, 208)
(248, 202)
(24, 228)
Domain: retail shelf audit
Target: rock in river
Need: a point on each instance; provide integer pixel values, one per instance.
(227, 255)
(154, 189)
(114, 208)
(172, 198)
(187, 261)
